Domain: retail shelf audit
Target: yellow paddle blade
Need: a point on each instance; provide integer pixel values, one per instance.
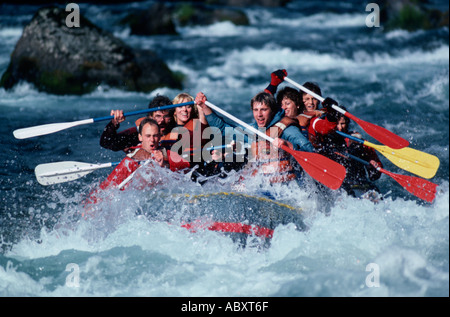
(411, 160)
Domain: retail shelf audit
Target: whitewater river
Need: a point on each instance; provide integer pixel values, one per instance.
(397, 247)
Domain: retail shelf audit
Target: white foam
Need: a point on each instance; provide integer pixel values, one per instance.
(271, 56)
(10, 35)
(141, 258)
(437, 88)
(323, 21)
(220, 29)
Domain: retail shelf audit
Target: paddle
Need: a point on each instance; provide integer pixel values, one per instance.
(66, 171)
(419, 187)
(379, 133)
(321, 168)
(61, 172)
(30, 132)
(411, 160)
(126, 180)
(219, 147)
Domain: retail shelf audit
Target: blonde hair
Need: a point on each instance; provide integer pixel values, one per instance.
(185, 97)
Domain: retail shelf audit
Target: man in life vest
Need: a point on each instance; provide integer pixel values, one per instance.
(125, 140)
(271, 160)
(149, 149)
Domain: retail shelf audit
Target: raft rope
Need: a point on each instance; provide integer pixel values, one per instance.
(243, 195)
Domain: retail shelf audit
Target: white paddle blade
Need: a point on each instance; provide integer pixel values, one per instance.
(44, 129)
(61, 172)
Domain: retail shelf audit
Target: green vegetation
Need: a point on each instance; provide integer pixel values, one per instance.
(184, 13)
(409, 18)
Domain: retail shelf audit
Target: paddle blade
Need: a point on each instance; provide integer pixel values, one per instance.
(61, 172)
(417, 162)
(44, 129)
(379, 133)
(421, 188)
(319, 167)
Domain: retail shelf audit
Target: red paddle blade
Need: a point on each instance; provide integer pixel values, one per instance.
(319, 167)
(419, 187)
(379, 133)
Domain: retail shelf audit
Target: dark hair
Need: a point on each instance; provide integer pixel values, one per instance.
(340, 115)
(313, 87)
(147, 121)
(160, 101)
(267, 99)
(294, 95)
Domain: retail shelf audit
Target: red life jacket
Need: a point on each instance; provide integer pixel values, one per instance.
(189, 136)
(318, 128)
(304, 119)
(120, 173)
(128, 165)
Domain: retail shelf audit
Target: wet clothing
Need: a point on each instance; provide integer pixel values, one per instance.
(359, 177)
(219, 169)
(118, 141)
(305, 118)
(185, 139)
(128, 165)
(274, 163)
(318, 129)
(126, 139)
(291, 134)
(125, 168)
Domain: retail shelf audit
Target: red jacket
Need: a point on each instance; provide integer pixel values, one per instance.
(318, 128)
(127, 166)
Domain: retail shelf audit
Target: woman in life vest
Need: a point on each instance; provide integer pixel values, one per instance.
(303, 107)
(187, 134)
(290, 100)
(125, 140)
(315, 123)
(270, 159)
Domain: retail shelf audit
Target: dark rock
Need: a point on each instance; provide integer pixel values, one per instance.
(156, 20)
(62, 60)
(162, 18)
(199, 14)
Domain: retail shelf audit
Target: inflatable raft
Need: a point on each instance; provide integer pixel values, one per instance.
(235, 214)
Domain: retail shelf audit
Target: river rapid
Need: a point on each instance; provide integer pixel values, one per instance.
(398, 247)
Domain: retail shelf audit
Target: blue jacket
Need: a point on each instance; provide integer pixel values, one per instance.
(291, 133)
